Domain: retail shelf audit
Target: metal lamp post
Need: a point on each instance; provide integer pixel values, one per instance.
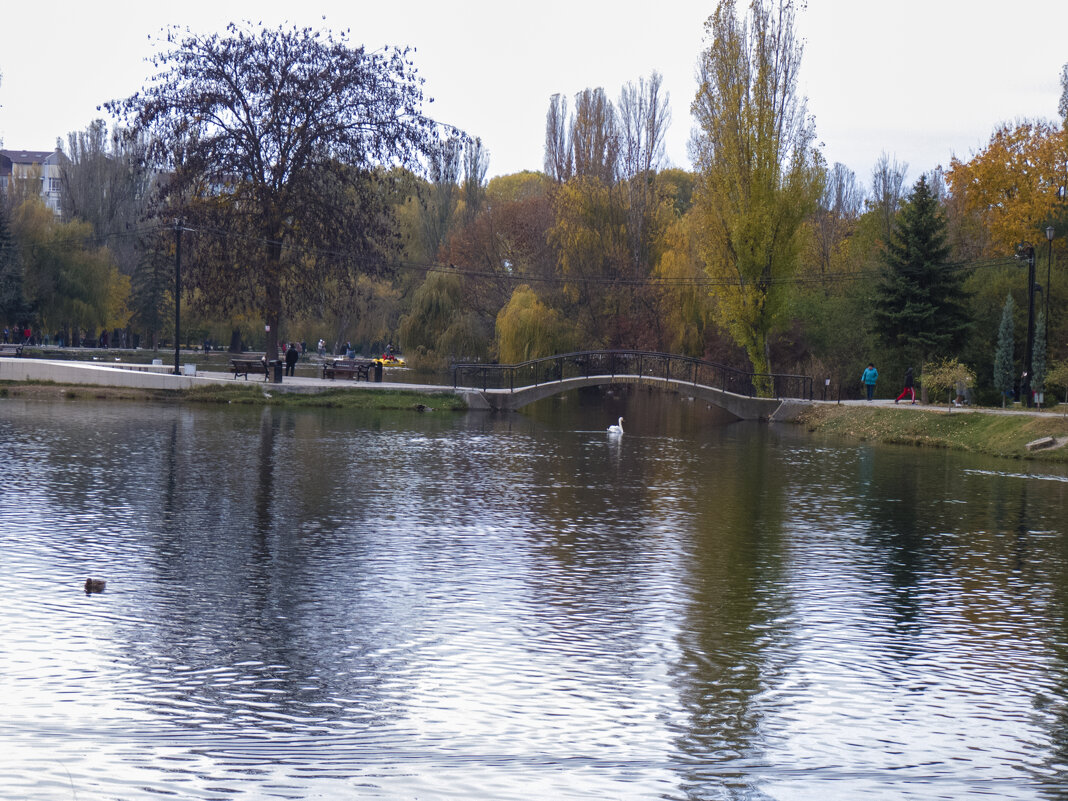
(1029, 362)
(1049, 270)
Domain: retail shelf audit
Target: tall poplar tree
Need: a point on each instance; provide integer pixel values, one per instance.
(759, 176)
(920, 300)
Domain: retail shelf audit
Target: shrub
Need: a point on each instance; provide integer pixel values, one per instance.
(946, 377)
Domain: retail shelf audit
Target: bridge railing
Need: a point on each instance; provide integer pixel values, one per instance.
(644, 364)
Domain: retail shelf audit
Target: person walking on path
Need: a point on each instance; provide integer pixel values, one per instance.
(868, 379)
(909, 389)
(292, 354)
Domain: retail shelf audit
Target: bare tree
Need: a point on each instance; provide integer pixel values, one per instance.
(644, 117)
(476, 164)
(887, 180)
(595, 136)
(558, 154)
(106, 183)
(1062, 106)
(444, 161)
(840, 206)
(936, 182)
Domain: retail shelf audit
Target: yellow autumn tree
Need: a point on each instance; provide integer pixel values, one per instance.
(528, 329)
(686, 306)
(759, 176)
(71, 283)
(1009, 188)
(118, 301)
(589, 235)
(1007, 194)
(441, 326)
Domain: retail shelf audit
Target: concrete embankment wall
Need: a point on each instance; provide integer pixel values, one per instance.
(149, 377)
(89, 373)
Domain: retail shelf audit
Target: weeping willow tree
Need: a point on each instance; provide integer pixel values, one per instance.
(71, 284)
(528, 329)
(759, 177)
(441, 324)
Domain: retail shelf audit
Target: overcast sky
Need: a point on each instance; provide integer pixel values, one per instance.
(921, 80)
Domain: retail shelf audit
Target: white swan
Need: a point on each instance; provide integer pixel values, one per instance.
(617, 429)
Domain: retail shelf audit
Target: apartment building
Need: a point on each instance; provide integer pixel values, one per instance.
(35, 165)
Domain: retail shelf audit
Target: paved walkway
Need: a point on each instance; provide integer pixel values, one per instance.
(1059, 409)
(102, 373)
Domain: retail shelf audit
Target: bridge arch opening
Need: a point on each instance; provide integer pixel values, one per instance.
(647, 411)
(513, 386)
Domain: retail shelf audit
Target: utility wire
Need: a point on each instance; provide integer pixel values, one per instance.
(806, 277)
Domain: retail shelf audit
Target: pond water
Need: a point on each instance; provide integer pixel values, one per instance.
(327, 604)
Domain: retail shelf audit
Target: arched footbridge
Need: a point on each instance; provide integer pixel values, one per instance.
(513, 386)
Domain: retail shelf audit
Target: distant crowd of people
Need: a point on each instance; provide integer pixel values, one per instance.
(18, 337)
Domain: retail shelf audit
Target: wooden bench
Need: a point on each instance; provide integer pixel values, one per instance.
(349, 368)
(246, 366)
(10, 350)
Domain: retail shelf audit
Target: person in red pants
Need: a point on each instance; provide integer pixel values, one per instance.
(908, 390)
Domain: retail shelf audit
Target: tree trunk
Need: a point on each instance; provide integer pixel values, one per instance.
(235, 341)
(272, 311)
(759, 352)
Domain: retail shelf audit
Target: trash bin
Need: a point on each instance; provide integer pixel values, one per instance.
(277, 364)
(378, 372)
(189, 369)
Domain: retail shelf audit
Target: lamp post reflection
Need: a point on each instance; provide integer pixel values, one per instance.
(1025, 250)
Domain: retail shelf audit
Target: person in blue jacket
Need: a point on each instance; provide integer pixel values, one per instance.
(868, 379)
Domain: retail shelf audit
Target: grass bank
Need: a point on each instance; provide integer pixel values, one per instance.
(243, 393)
(988, 433)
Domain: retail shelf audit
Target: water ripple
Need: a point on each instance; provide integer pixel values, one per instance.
(322, 604)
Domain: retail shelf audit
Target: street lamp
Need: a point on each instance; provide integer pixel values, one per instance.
(1027, 251)
(1049, 274)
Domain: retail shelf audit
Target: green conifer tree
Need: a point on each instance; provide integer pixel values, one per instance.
(920, 306)
(152, 289)
(1003, 366)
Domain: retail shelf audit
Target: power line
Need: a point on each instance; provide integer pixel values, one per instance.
(806, 277)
